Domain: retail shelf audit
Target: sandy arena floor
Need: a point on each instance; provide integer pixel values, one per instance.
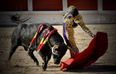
(22, 64)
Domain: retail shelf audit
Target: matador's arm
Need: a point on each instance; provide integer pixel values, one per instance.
(79, 20)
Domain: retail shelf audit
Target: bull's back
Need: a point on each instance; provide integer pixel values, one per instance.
(27, 32)
(16, 34)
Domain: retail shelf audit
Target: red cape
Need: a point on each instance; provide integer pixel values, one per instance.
(96, 48)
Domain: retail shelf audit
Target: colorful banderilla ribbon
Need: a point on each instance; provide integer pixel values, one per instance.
(43, 37)
(41, 26)
(42, 43)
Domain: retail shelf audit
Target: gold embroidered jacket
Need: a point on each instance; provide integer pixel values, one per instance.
(78, 20)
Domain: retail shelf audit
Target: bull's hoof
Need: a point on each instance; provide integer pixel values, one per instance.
(43, 69)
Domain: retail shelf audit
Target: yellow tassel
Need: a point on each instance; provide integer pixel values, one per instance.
(35, 35)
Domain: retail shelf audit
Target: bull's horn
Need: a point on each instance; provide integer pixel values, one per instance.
(71, 49)
(53, 49)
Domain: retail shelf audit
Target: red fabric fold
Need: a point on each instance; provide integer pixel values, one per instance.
(95, 49)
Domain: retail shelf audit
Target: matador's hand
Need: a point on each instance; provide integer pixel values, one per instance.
(93, 35)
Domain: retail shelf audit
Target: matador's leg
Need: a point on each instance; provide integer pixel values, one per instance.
(71, 38)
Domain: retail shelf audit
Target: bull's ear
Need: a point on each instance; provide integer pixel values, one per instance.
(53, 49)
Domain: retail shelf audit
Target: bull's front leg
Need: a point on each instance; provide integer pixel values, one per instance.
(30, 52)
(45, 58)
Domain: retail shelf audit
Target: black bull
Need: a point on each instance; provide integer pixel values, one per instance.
(24, 33)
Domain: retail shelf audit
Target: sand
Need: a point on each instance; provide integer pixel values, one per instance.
(21, 63)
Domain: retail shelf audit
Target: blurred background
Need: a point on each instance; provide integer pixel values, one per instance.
(52, 11)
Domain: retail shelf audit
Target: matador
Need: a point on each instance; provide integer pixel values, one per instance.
(71, 20)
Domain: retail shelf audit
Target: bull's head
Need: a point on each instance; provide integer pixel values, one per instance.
(59, 51)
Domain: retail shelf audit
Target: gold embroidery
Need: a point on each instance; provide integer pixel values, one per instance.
(69, 28)
(78, 19)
